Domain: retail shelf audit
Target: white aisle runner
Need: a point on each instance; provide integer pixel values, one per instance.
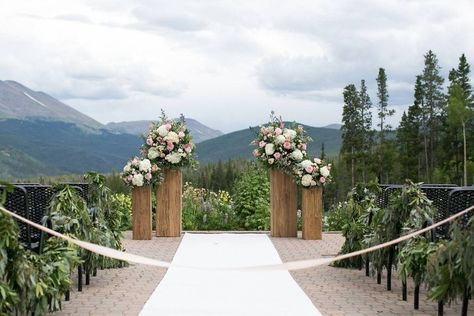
(206, 292)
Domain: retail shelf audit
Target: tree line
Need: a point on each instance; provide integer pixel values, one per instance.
(434, 142)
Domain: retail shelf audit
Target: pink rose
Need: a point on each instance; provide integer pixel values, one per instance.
(303, 146)
(154, 168)
(181, 134)
(168, 126)
(188, 148)
(287, 145)
(317, 160)
(309, 169)
(148, 176)
(149, 141)
(322, 179)
(278, 131)
(170, 146)
(277, 155)
(313, 183)
(130, 178)
(261, 144)
(256, 153)
(135, 161)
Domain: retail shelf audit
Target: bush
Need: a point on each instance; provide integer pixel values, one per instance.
(252, 200)
(207, 210)
(122, 205)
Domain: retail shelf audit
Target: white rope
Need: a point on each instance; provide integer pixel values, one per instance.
(292, 265)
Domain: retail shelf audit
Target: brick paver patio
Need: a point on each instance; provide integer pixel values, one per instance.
(334, 291)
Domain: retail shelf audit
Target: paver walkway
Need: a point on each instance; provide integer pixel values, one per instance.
(334, 291)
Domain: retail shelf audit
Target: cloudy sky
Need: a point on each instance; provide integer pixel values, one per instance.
(226, 63)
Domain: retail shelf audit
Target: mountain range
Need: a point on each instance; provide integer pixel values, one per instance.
(41, 136)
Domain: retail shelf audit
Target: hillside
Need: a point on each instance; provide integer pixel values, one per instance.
(237, 145)
(58, 147)
(199, 131)
(20, 102)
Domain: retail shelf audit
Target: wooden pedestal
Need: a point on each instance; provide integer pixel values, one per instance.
(283, 204)
(311, 209)
(169, 204)
(141, 213)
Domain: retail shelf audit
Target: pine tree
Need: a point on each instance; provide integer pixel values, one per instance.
(323, 152)
(433, 109)
(351, 129)
(366, 116)
(385, 148)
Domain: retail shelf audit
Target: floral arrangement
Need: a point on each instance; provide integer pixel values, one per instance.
(280, 147)
(139, 172)
(169, 144)
(311, 173)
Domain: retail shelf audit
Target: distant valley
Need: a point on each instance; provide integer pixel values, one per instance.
(41, 136)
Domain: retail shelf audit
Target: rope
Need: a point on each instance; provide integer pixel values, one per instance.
(292, 265)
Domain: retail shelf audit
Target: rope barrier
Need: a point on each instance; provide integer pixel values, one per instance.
(291, 265)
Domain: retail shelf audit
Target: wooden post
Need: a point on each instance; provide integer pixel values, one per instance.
(169, 204)
(141, 212)
(283, 204)
(311, 209)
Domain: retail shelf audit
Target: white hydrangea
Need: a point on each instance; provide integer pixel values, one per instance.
(296, 155)
(306, 180)
(162, 130)
(127, 167)
(137, 180)
(280, 139)
(324, 171)
(306, 163)
(153, 153)
(144, 165)
(289, 133)
(172, 137)
(173, 158)
(269, 149)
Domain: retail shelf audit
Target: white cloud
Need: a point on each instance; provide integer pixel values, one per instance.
(226, 63)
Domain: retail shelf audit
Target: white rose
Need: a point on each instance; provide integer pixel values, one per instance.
(306, 180)
(280, 139)
(144, 165)
(306, 163)
(296, 155)
(173, 158)
(324, 171)
(162, 130)
(153, 153)
(127, 168)
(269, 149)
(172, 137)
(289, 133)
(137, 180)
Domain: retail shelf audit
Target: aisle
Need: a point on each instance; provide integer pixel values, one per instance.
(205, 292)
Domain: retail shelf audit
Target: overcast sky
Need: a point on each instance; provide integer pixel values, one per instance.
(226, 63)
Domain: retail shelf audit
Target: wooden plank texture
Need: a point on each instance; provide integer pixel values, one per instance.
(169, 204)
(312, 206)
(141, 213)
(283, 204)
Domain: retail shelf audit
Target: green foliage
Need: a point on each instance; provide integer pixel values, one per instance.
(30, 282)
(450, 267)
(122, 205)
(337, 216)
(252, 200)
(207, 210)
(413, 257)
(355, 214)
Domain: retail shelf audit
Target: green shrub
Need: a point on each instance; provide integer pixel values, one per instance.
(252, 200)
(122, 205)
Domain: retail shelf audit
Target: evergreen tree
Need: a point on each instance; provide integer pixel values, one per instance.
(459, 114)
(351, 129)
(323, 152)
(367, 137)
(385, 149)
(433, 110)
